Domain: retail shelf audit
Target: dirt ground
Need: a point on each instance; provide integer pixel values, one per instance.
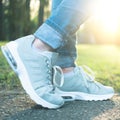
(16, 105)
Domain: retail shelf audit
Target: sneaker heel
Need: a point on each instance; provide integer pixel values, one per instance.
(9, 58)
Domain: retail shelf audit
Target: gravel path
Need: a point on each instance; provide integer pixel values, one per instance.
(15, 105)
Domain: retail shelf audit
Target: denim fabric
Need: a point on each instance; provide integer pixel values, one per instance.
(59, 30)
(67, 53)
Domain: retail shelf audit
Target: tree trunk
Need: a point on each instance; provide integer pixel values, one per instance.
(14, 19)
(1, 21)
(27, 23)
(41, 12)
(19, 18)
(43, 4)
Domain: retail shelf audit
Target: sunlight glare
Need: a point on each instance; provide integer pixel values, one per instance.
(108, 13)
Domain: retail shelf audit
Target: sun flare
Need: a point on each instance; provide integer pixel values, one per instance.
(108, 13)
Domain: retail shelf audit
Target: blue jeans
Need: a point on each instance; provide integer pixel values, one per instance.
(59, 30)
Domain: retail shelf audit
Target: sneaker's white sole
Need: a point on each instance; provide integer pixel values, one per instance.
(71, 96)
(11, 54)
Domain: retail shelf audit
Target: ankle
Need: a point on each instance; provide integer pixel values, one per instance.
(67, 70)
(41, 45)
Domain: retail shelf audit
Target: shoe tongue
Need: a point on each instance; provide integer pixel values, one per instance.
(52, 56)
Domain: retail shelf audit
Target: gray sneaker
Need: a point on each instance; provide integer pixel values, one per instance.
(35, 71)
(81, 86)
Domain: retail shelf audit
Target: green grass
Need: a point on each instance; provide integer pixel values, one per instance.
(8, 79)
(104, 60)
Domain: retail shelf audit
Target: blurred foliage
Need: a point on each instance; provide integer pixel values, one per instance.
(15, 18)
(94, 32)
(104, 60)
(16, 21)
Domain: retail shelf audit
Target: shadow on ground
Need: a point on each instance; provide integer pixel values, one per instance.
(18, 106)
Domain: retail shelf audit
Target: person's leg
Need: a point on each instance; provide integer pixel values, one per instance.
(34, 67)
(77, 83)
(61, 24)
(65, 30)
(29, 62)
(38, 43)
(67, 53)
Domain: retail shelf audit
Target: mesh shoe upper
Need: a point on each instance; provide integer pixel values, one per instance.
(84, 82)
(35, 70)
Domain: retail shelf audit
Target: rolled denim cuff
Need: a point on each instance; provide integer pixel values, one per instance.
(49, 36)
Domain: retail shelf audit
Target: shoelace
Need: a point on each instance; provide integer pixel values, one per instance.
(87, 74)
(58, 78)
